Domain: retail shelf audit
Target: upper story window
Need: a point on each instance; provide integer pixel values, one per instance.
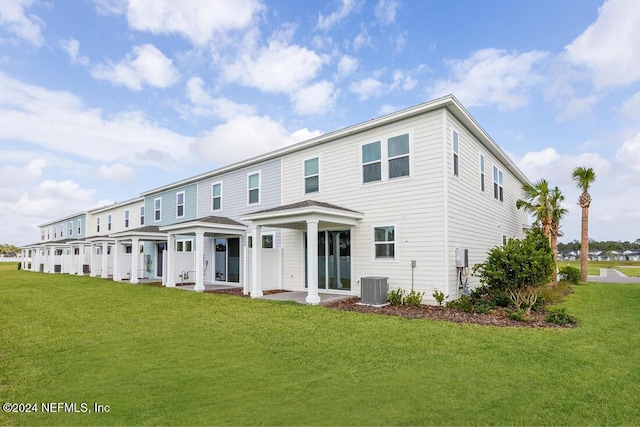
(126, 218)
(55, 231)
(456, 154)
(384, 242)
(109, 222)
(386, 159)
(48, 233)
(253, 188)
(498, 191)
(61, 230)
(41, 234)
(216, 196)
(141, 215)
(70, 228)
(97, 225)
(482, 172)
(311, 175)
(180, 204)
(79, 222)
(157, 209)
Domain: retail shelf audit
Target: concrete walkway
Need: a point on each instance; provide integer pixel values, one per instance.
(301, 296)
(611, 275)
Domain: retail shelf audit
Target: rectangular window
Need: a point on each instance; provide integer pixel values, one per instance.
(42, 235)
(109, 222)
(482, 172)
(79, 227)
(180, 204)
(253, 187)
(498, 189)
(456, 153)
(141, 215)
(398, 150)
(126, 218)
(61, 230)
(157, 209)
(216, 196)
(504, 240)
(55, 231)
(184, 246)
(70, 228)
(97, 225)
(371, 162)
(311, 175)
(384, 242)
(267, 241)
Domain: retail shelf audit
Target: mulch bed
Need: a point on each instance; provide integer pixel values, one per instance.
(497, 318)
(238, 292)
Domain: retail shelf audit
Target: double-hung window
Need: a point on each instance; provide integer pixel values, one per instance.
(456, 154)
(180, 205)
(312, 175)
(97, 225)
(141, 215)
(371, 162)
(384, 242)
(253, 188)
(216, 196)
(498, 189)
(109, 222)
(126, 218)
(184, 246)
(398, 150)
(482, 172)
(79, 227)
(55, 231)
(157, 209)
(70, 228)
(61, 230)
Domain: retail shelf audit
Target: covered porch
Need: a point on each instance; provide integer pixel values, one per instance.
(129, 259)
(314, 218)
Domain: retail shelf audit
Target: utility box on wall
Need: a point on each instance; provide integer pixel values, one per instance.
(462, 257)
(373, 290)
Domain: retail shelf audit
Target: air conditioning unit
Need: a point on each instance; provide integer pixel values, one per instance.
(373, 290)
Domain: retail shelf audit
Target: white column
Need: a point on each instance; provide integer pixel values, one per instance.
(312, 262)
(80, 260)
(256, 262)
(116, 261)
(199, 260)
(171, 247)
(105, 261)
(135, 256)
(72, 258)
(93, 271)
(47, 260)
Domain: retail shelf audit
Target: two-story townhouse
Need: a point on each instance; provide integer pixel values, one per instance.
(106, 256)
(415, 196)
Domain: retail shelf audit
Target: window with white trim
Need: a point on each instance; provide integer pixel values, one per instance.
(456, 153)
(79, 222)
(482, 172)
(126, 218)
(61, 230)
(42, 234)
(55, 231)
(371, 162)
(267, 241)
(157, 209)
(109, 222)
(398, 155)
(253, 188)
(216, 196)
(504, 240)
(184, 245)
(498, 189)
(70, 228)
(386, 159)
(180, 204)
(312, 175)
(384, 242)
(98, 225)
(141, 215)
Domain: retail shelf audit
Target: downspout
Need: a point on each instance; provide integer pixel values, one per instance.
(445, 200)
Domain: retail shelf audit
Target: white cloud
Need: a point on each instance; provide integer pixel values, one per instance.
(72, 47)
(145, 65)
(577, 107)
(317, 98)
(243, 137)
(346, 66)
(14, 19)
(373, 87)
(385, 11)
(326, 22)
(367, 88)
(631, 108)
(196, 20)
(116, 172)
(57, 121)
(609, 47)
(204, 105)
(362, 39)
(275, 68)
(629, 154)
(492, 76)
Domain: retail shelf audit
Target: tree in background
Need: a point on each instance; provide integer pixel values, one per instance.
(583, 178)
(557, 212)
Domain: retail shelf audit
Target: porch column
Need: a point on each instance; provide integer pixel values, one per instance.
(80, 267)
(47, 261)
(93, 271)
(199, 260)
(312, 262)
(135, 256)
(171, 247)
(72, 259)
(256, 263)
(105, 261)
(116, 261)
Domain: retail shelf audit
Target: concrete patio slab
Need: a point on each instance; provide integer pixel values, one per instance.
(301, 296)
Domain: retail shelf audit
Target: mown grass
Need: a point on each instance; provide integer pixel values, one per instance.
(172, 357)
(595, 266)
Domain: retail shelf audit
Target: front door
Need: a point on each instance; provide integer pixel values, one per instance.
(161, 247)
(334, 260)
(227, 259)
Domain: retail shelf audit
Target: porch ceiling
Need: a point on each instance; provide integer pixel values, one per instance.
(296, 215)
(149, 233)
(208, 225)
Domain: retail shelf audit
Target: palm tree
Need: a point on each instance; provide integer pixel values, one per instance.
(583, 178)
(557, 212)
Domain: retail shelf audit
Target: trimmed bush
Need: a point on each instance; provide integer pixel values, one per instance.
(570, 274)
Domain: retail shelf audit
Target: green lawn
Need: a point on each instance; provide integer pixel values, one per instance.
(595, 266)
(630, 271)
(166, 356)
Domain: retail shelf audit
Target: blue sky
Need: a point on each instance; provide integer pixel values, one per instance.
(101, 100)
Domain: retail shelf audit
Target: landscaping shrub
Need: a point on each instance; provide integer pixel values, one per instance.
(396, 297)
(463, 303)
(414, 298)
(439, 297)
(560, 317)
(570, 274)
